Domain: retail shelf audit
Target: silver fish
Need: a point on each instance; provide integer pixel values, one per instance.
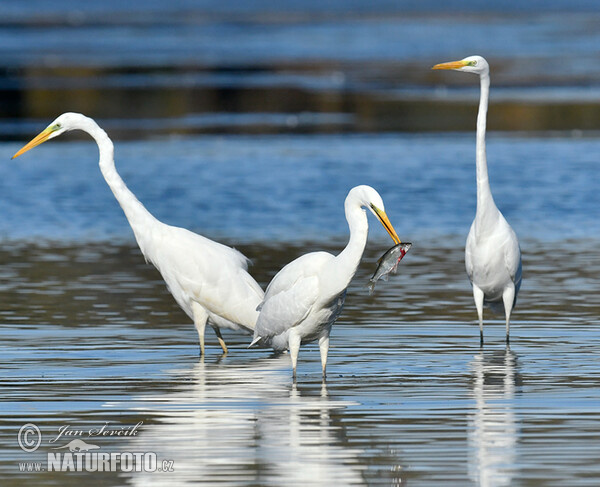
(388, 263)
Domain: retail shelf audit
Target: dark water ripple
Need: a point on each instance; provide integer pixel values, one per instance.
(74, 35)
(226, 67)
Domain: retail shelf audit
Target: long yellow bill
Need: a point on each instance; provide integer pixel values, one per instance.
(451, 65)
(385, 221)
(41, 138)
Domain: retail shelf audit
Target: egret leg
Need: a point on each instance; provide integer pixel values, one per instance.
(508, 297)
(478, 297)
(220, 338)
(324, 348)
(200, 319)
(294, 344)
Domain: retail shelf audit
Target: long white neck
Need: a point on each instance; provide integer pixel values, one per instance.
(346, 263)
(138, 216)
(485, 200)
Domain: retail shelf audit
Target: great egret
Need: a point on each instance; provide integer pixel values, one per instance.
(207, 279)
(492, 253)
(306, 297)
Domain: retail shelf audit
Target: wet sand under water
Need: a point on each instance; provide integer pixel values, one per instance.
(90, 335)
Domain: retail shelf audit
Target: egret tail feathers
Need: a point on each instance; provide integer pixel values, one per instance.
(255, 341)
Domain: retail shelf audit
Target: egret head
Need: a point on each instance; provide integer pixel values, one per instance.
(64, 123)
(367, 197)
(471, 64)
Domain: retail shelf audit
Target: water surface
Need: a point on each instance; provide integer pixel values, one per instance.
(90, 335)
(260, 188)
(347, 66)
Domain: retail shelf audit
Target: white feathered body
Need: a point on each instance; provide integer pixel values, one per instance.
(303, 296)
(197, 269)
(492, 253)
(207, 279)
(493, 258)
(306, 297)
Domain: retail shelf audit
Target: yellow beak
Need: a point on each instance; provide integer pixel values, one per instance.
(41, 138)
(451, 65)
(385, 221)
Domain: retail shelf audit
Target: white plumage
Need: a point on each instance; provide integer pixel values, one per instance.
(492, 253)
(207, 279)
(306, 297)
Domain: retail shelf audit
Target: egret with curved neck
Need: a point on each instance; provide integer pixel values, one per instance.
(207, 279)
(306, 297)
(492, 253)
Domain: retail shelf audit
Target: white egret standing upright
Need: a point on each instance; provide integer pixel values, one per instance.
(207, 279)
(306, 297)
(492, 253)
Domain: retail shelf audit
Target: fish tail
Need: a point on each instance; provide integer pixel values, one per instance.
(371, 287)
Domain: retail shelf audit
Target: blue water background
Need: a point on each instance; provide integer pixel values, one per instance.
(261, 188)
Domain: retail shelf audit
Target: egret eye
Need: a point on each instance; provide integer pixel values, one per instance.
(474, 63)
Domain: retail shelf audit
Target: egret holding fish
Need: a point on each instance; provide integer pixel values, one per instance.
(207, 279)
(306, 297)
(492, 253)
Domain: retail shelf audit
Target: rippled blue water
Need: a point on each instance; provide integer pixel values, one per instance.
(293, 187)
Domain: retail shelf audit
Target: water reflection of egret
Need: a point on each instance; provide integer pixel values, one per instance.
(207, 279)
(245, 424)
(306, 297)
(493, 431)
(492, 253)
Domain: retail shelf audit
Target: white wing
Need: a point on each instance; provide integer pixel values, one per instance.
(198, 269)
(291, 295)
(512, 257)
(469, 252)
(165, 242)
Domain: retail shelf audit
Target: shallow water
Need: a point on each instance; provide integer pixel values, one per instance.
(90, 335)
